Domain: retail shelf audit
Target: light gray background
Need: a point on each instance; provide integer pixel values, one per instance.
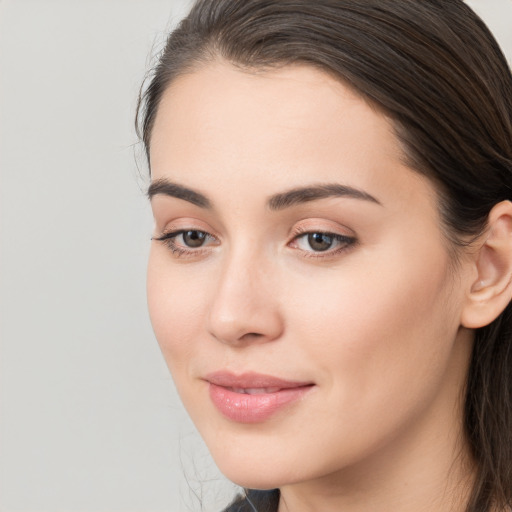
(89, 418)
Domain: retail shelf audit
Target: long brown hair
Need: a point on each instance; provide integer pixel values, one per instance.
(435, 69)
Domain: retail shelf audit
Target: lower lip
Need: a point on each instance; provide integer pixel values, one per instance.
(244, 408)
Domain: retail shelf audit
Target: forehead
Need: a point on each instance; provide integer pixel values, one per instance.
(221, 100)
(291, 125)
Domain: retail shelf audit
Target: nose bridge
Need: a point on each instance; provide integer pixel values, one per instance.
(244, 308)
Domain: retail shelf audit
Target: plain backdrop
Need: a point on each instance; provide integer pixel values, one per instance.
(89, 419)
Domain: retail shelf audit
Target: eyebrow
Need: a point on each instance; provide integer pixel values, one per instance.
(276, 202)
(167, 188)
(313, 193)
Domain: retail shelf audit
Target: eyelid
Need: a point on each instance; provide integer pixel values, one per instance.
(343, 238)
(168, 234)
(182, 250)
(319, 225)
(346, 241)
(184, 224)
(177, 232)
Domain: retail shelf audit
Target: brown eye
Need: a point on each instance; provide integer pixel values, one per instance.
(320, 241)
(187, 241)
(194, 238)
(316, 242)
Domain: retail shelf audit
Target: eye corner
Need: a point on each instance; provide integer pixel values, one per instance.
(321, 243)
(187, 242)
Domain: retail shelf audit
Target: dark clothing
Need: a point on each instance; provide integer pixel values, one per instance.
(255, 501)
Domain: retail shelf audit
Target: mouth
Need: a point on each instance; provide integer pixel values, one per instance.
(252, 397)
(254, 391)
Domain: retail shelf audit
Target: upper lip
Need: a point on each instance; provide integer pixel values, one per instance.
(252, 380)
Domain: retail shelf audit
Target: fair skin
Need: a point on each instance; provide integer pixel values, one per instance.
(373, 316)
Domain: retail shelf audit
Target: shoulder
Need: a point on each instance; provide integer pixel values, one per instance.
(255, 501)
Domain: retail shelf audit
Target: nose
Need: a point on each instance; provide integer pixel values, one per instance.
(245, 307)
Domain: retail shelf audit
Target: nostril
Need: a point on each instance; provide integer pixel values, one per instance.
(252, 336)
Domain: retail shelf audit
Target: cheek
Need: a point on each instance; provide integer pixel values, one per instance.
(175, 308)
(379, 341)
(378, 323)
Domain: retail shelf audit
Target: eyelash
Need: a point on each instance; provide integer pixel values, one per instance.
(345, 242)
(169, 241)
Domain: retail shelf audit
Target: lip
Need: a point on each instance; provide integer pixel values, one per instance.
(253, 397)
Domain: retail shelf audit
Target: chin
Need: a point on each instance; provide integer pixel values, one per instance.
(256, 471)
(251, 479)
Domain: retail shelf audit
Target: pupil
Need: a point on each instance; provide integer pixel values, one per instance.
(194, 238)
(319, 241)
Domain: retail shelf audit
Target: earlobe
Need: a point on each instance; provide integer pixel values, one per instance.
(491, 291)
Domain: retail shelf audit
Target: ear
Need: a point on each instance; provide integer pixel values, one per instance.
(491, 290)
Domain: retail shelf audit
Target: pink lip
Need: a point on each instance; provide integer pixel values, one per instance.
(253, 397)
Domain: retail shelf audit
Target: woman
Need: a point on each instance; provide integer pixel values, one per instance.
(330, 273)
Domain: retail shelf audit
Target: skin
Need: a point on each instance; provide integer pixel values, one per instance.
(374, 324)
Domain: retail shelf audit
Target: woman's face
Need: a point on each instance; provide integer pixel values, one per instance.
(302, 292)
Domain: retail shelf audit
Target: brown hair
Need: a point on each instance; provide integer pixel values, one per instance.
(435, 69)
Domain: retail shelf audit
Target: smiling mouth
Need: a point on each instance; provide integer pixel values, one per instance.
(253, 383)
(253, 398)
(254, 391)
